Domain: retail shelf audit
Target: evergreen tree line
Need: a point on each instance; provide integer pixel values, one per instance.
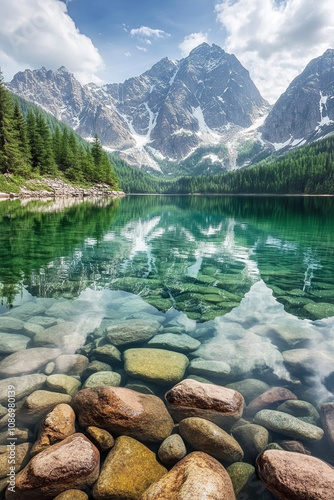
(307, 170)
(29, 147)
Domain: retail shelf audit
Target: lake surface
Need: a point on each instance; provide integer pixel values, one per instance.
(251, 279)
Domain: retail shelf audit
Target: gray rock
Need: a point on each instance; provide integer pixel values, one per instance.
(64, 336)
(63, 383)
(38, 403)
(132, 331)
(27, 361)
(44, 321)
(210, 368)
(175, 342)
(108, 354)
(301, 409)
(103, 378)
(12, 342)
(27, 310)
(23, 386)
(71, 364)
(288, 425)
(252, 439)
(172, 450)
(250, 388)
(9, 324)
(240, 473)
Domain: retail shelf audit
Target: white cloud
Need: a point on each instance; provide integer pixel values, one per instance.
(275, 41)
(127, 54)
(191, 41)
(143, 49)
(35, 33)
(146, 32)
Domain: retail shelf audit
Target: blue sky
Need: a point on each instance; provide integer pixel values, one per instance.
(111, 40)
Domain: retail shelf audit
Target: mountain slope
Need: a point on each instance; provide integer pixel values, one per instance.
(160, 117)
(305, 112)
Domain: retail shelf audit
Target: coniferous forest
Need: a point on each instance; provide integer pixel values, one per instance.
(30, 147)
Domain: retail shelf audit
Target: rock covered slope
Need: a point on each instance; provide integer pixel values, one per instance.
(305, 112)
(161, 116)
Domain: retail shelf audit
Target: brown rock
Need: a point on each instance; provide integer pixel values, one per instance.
(123, 411)
(206, 436)
(101, 438)
(56, 426)
(293, 476)
(191, 398)
(327, 421)
(72, 463)
(129, 469)
(72, 495)
(38, 403)
(269, 398)
(295, 446)
(196, 477)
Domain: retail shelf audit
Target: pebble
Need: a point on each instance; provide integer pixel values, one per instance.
(132, 331)
(72, 495)
(175, 342)
(103, 378)
(63, 335)
(123, 411)
(206, 436)
(57, 425)
(172, 450)
(198, 476)
(27, 361)
(71, 463)
(23, 386)
(209, 368)
(129, 469)
(191, 398)
(327, 420)
(108, 354)
(292, 476)
(63, 383)
(240, 472)
(155, 365)
(268, 399)
(38, 403)
(250, 388)
(101, 438)
(288, 425)
(71, 364)
(252, 438)
(12, 342)
(302, 410)
(21, 457)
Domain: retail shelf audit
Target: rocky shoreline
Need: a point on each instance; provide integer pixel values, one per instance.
(58, 188)
(107, 413)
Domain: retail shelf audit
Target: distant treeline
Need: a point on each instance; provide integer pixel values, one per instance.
(308, 170)
(32, 145)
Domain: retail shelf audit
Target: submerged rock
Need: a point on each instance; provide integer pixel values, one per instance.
(204, 367)
(72, 463)
(327, 420)
(123, 411)
(12, 342)
(64, 335)
(71, 364)
(252, 438)
(191, 398)
(239, 473)
(288, 425)
(103, 378)
(155, 365)
(172, 450)
(63, 383)
(23, 386)
(206, 436)
(250, 388)
(292, 476)
(132, 331)
(176, 342)
(269, 398)
(38, 403)
(196, 477)
(101, 438)
(21, 457)
(129, 469)
(27, 361)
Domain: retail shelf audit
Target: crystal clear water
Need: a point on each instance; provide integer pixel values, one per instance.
(250, 278)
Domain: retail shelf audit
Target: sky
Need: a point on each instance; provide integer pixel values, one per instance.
(108, 41)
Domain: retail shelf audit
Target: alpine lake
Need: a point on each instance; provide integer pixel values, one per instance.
(240, 288)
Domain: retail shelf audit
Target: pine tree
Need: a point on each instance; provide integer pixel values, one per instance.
(22, 137)
(11, 160)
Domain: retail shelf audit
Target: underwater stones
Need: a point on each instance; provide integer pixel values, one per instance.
(132, 331)
(269, 398)
(27, 310)
(301, 409)
(250, 388)
(293, 476)
(209, 368)
(206, 436)
(27, 361)
(195, 477)
(191, 398)
(63, 383)
(23, 386)
(21, 457)
(320, 310)
(38, 403)
(240, 473)
(294, 334)
(288, 425)
(175, 342)
(103, 378)
(8, 324)
(172, 450)
(252, 438)
(305, 361)
(12, 342)
(95, 367)
(72, 463)
(107, 354)
(129, 469)
(63, 335)
(71, 364)
(57, 425)
(62, 309)
(155, 365)
(43, 321)
(327, 420)
(72, 495)
(101, 438)
(123, 411)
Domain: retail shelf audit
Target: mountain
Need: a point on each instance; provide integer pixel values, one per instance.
(305, 111)
(200, 110)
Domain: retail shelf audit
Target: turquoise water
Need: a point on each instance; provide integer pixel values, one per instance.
(250, 278)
